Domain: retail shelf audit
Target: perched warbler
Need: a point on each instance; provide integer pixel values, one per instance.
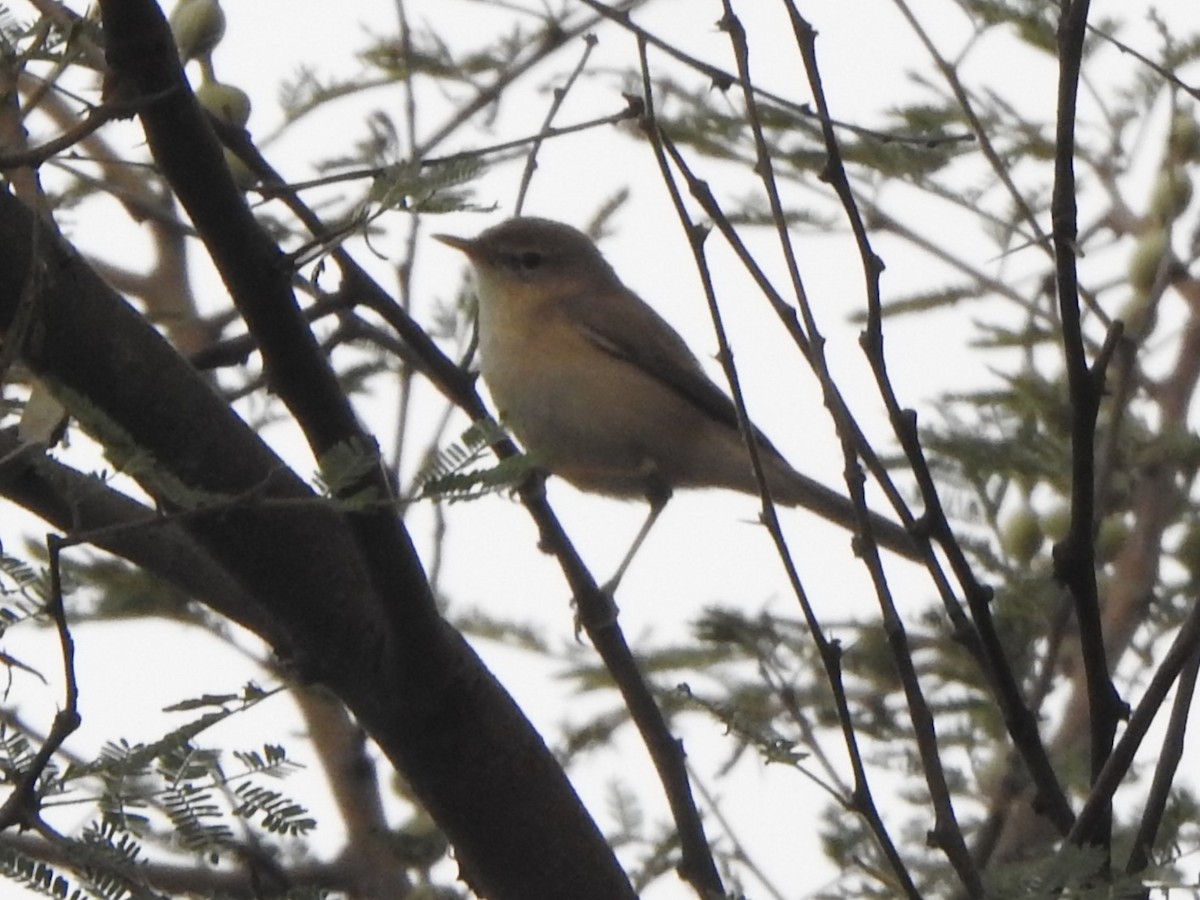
(603, 392)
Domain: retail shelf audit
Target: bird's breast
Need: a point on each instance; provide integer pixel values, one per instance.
(527, 353)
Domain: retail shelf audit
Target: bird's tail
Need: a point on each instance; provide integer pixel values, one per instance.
(791, 488)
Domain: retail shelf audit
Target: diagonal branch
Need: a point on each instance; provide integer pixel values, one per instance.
(472, 758)
(946, 834)
(981, 633)
(861, 800)
(144, 66)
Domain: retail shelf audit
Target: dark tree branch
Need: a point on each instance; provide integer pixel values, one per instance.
(980, 637)
(472, 759)
(862, 800)
(1166, 768)
(144, 68)
(1074, 559)
(946, 833)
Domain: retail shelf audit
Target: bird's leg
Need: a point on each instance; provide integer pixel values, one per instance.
(657, 497)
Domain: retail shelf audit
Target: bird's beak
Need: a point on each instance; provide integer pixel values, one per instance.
(466, 245)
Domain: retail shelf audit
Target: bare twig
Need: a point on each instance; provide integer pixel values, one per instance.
(560, 94)
(1074, 559)
(1162, 71)
(1167, 766)
(97, 117)
(982, 635)
(723, 80)
(278, 187)
(23, 806)
(862, 800)
(946, 832)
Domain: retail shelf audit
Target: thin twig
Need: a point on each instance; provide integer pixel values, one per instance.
(947, 833)
(1098, 808)
(22, 808)
(999, 168)
(560, 94)
(100, 115)
(404, 270)
(1166, 768)
(723, 80)
(1166, 74)
(830, 651)
(269, 190)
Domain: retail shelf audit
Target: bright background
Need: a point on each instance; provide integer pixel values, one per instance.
(706, 549)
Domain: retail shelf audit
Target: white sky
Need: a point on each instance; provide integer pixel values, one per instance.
(704, 550)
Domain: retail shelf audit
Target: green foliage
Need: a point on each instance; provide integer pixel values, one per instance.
(1032, 20)
(280, 814)
(308, 91)
(420, 844)
(172, 794)
(927, 301)
(119, 590)
(1073, 872)
(22, 589)
(345, 469)
(111, 857)
(37, 876)
(131, 459)
(436, 188)
(188, 800)
(11, 30)
(449, 474)
(15, 753)
(481, 623)
(995, 451)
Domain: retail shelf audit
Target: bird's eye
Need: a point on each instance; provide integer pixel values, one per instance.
(530, 260)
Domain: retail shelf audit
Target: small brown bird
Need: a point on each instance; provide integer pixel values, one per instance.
(604, 393)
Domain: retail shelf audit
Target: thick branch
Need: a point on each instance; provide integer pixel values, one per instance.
(145, 69)
(437, 713)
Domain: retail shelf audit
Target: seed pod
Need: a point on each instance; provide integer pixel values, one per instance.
(1111, 538)
(229, 104)
(1188, 553)
(1022, 536)
(198, 26)
(1139, 314)
(1172, 194)
(1147, 258)
(1183, 143)
(1057, 522)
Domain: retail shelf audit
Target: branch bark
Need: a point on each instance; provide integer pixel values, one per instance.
(413, 683)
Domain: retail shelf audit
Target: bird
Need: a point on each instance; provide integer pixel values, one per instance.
(603, 392)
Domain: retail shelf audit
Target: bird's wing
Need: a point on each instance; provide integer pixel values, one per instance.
(638, 335)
